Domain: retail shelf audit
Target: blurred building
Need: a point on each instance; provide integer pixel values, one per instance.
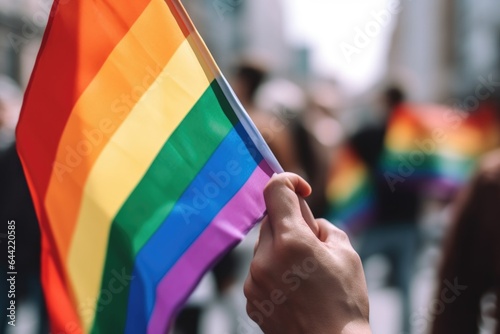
(22, 23)
(477, 41)
(441, 48)
(421, 49)
(236, 30)
(233, 30)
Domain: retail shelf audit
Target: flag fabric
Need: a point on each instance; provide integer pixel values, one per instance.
(430, 149)
(143, 166)
(350, 192)
(436, 147)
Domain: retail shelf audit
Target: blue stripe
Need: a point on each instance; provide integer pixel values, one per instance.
(223, 175)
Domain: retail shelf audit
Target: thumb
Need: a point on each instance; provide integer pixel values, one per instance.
(282, 201)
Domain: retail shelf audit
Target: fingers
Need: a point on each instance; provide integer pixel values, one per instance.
(308, 216)
(332, 235)
(282, 200)
(326, 229)
(265, 235)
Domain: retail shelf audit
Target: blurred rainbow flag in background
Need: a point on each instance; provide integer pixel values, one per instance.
(143, 166)
(435, 147)
(350, 191)
(431, 148)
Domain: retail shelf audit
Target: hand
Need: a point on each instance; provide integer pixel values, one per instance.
(305, 276)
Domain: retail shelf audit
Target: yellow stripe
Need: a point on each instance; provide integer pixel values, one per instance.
(125, 160)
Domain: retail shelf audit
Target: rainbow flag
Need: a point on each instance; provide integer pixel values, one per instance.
(350, 192)
(143, 166)
(436, 147)
(430, 149)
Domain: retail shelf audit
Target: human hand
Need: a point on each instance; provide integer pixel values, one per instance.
(305, 276)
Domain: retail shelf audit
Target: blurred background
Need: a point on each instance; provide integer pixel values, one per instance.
(384, 106)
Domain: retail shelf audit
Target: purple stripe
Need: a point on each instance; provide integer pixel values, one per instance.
(227, 229)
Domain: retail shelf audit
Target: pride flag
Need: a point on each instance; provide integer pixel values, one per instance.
(429, 149)
(350, 191)
(437, 147)
(143, 166)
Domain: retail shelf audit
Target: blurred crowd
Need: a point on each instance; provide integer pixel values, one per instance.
(16, 205)
(391, 182)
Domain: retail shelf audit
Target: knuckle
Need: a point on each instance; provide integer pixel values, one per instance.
(257, 269)
(355, 256)
(331, 226)
(327, 225)
(277, 182)
(352, 257)
(248, 288)
(289, 243)
(324, 221)
(272, 185)
(249, 307)
(343, 236)
(255, 247)
(290, 248)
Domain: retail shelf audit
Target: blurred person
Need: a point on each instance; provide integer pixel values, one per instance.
(471, 262)
(277, 107)
(294, 121)
(320, 129)
(247, 79)
(16, 209)
(246, 82)
(305, 276)
(6, 133)
(326, 102)
(314, 161)
(393, 232)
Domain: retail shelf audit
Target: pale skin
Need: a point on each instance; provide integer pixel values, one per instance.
(305, 276)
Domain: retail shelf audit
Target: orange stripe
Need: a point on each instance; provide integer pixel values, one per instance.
(126, 75)
(62, 311)
(54, 87)
(174, 6)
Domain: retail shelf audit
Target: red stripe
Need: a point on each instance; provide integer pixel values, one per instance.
(180, 15)
(62, 313)
(74, 52)
(62, 72)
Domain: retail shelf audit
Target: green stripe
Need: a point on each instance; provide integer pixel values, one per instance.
(177, 164)
(224, 104)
